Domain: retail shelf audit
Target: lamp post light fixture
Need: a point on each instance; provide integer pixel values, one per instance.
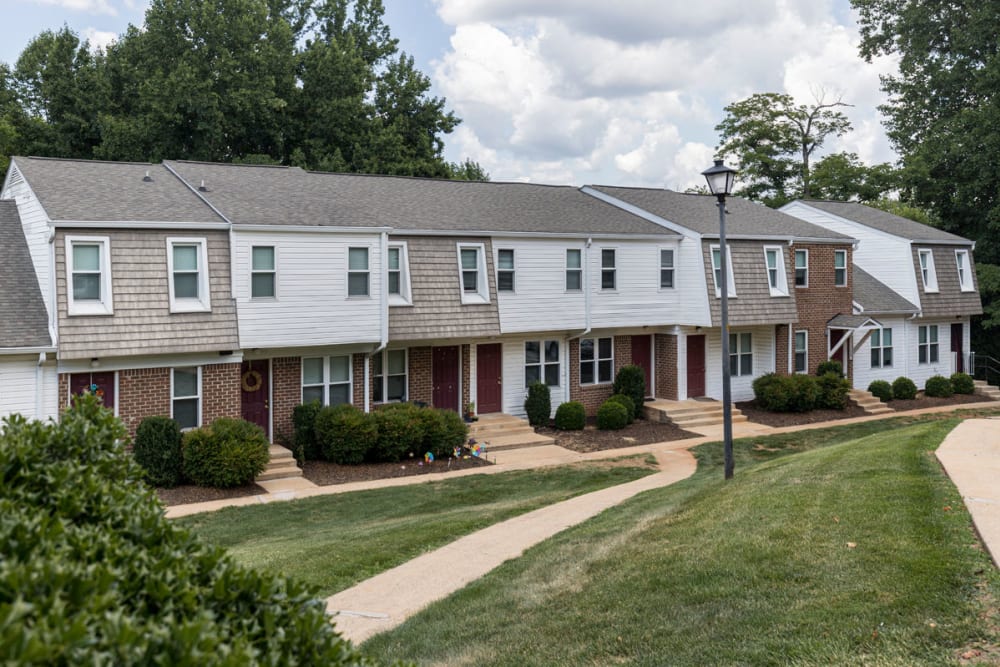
(720, 183)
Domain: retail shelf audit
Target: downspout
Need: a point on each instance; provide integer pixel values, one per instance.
(383, 293)
(39, 387)
(54, 305)
(585, 279)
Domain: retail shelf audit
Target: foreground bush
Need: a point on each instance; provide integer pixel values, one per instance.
(881, 390)
(571, 416)
(157, 448)
(631, 381)
(95, 575)
(305, 446)
(346, 434)
(904, 389)
(627, 402)
(538, 404)
(400, 432)
(229, 452)
(444, 430)
(805, 393)
(612, 416)
(963, 383)
(833, 391)
(830, 366)
(771, 392)
(938, 386)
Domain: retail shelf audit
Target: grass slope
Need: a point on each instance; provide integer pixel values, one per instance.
(853, 553)
(333, 542)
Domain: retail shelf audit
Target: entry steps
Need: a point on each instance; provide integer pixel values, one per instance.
(868, 402)
(499, 431)
(689, 413)
(987, 390)
(281, 466)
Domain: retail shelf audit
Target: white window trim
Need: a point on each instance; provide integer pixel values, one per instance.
(731, 286)
(327, 379)
(274, 272)
(184, 398)
(595, 361)
(348, 271)
(203, 303)
(385, 376)
(839, 253)
(672, 268)
(405, 296)
(613, 269)
(104, 306)
(735, 351)
(965, 283)
(795, 251)
(795, 350)
(578, 269)
(482, 293)
(881, 347)
(512, 271)
(781, 288)
(928, 277)
(541, 361)
(936, 343)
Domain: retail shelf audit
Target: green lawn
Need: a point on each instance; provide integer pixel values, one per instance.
(854, 550)
(333, 542)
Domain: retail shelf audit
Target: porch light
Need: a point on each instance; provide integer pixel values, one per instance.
(720, 179)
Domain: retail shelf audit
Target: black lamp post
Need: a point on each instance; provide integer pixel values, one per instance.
(720, 183)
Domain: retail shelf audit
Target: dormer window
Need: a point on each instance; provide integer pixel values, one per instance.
(927, 273)
(399, 275)
(774, 262)
(88, 275)
(964, 271)
(717, 272)
(187, 264)
(472, 273)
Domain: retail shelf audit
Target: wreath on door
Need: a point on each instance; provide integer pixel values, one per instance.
(252, 381)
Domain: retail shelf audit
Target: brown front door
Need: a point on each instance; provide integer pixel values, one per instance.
(956, 347)
(696, 366)
(489, 379)
(445, 372)
(100, 384)
(255, 393)
(642, 356)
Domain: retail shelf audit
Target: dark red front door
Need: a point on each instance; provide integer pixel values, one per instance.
(489, 379)
(696, 366)
(642, 356)
(956, 347)
(445, 376)
(101, 384)
(255, 393)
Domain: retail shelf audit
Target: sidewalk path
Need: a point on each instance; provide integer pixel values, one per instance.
(386, 600)
(970, 455)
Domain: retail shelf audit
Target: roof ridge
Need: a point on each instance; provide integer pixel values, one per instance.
(438, 179)
(238, 164)
(80, 159)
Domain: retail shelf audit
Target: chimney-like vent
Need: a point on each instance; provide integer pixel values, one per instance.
(202, 187)
(147, 178)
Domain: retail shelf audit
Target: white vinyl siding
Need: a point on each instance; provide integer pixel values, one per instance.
(28, 389)
(35, 224)
(185, 393)
(762, 350)
(88, 275)
(514, 384)
(187, 266)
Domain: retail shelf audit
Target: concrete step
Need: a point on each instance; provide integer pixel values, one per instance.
(685, 414)
(280, 472)
(514, 442)
(868, 402)
(987, 390)
(499, 432)
(708, 421)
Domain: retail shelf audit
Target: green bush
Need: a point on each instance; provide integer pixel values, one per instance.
(903, 389)
(832, 392)
(881, 390)
(538, 404)
(631, 381)
(963, 383)
(830, 366)
(938, 386)
(444, 430)
(346, 434)
(304, 443)
(229, 452)
(96, 575)
(627, 402)
(400, 432)
(804, 393)
(772, 392)
(157, 448)
(571, 416)
(612, 416)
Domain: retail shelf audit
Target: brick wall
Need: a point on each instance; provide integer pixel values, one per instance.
(286, 393)
(358, 375)
(144, 392)
(592, 395)
(220, 392)
(822, 300)
(421, 379)
(63, 391)
(781, 348)
(665, 366)
(466, 378)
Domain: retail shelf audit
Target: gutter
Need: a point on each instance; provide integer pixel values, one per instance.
(383, 313)
(138, 224)
(586, 293)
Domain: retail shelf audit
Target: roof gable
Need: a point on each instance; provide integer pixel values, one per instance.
(23, 319)
(885, 222)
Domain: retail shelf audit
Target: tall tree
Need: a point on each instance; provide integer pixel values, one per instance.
(844, 177)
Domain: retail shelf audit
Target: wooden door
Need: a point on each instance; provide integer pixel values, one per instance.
(101, 384)
(956, 347)
(642, 356)
(445, 374)
(255, 393)
(489, 379)
(695, 366)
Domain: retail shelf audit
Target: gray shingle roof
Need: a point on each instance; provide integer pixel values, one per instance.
(843, 321)
(885, 222)
(23, 320)
(700, 214)
(877, 297)
(249, 194)
(89, 190)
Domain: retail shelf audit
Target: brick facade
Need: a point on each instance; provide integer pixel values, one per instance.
(822, 299)
(781, 365)
(420, 379)
(665, 366)
(466, 377)
(220, 392)
(286, 393)
(592, 395)
(144, 392)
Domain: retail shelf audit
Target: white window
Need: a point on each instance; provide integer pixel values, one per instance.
(881, 348)
(187, 264)
(608, 269)
(389, 373)
(541, 362)
(574, 270)
(185, 403)
(597, 360)
(666, 268)
(927, 344)
(801, 351)
(802, 268)
(327, 380)
(472, 274)
(740, 354)
(505, 270)
(358, 275)
(927, 272)
(262, 272)
(964, 270)
(774, 262)
(840, 268)
(398, 278)
(717, 272)
(88, 275)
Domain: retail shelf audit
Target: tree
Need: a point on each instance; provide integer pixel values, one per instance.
(843, 177)
(467, 170)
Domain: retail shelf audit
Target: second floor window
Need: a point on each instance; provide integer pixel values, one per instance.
(927, 273)
(840, 268)
(716, 254)
(802, 268)
(608, 269)
(775, 264)
(505, 270)
(740, 354)
(666, 268)
(472, 274)
(597, 361)
(262, 272)
(357, 272)
(927, 344)
(398, 275)
(881, 348)
(88, 273)
(541, 362)
(574, 270)
(964, 271)
(188, 266)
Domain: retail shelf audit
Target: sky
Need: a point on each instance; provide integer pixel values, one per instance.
(589, 91)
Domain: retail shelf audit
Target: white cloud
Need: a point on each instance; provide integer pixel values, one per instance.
(98, 39)
(87, 6)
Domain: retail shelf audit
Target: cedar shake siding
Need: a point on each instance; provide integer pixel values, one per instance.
(949, 300)
(437, 312)
(142, 323)
(819, 302)
(752, 303)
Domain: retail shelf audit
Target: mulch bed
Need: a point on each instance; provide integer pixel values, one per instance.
(189, 493)
(592, 439)
(931, 402)
(324, 473)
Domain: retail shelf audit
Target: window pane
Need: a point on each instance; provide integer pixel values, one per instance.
(875, 357)
(357, 259)
(340, 393)
(876, 338)
(922, 335)
(887, 336)
(608, 279)
(470, 258)
(551, 351)
(185, 285)
(531, 375)
(667, 259)
(573, 259)
(734, 364)
(586, 349)
(393, 259)
(772, 258)
(607, 259)
(394, 282)
(573, 280)
(185, 258)
(746, 364)
(397, 362)
(934, 334)
(357, 284)
(262, 285)
(587, 372)
(505, 281)
(604, 348)
(744, 342)
(395, 388)
(800, 259)
(86, 257)
(800, 340)
(922, 354)
(666, 277)
(604, 371)
(506, 259)
(312, 371)
(531, 352)
(185, 382)
(552, 375)
(840, 260)
(716, 258)
(800, 362)
(310, 394)
(934, 353)
(86, 286)
(263, 258)
(377, 364)
(340, 369)
(186, 412)
(377, 395)
(887, 356)
(470, 281)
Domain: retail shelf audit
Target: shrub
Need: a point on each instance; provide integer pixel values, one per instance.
(904, 389)
(938, 386)
(962, 383)
(772, 392)
(804, 393)
(881, 390)
(571, 416)
(80, 536)
(612, 416)
(631, 381)
(400, 432)
(444, 430)
(627, 402)
(346, 434)
(830, 366)
(832, 392)
(157, 449)
(538, 404)
(229, 452)
(304, 443)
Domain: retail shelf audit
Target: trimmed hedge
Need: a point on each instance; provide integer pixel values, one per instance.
(938, 386)
(538, 404)
(631, 381)
(881, 390)
(444, 430)
(904, 389)
(346, 434)
(627, 402)
(830, 366)
(157, 449)
(305, 445)
(400, 432)
(786, 393)
(612, 416)
(571, 416)
(229, 452)
(963, 383)
(805, 393)
(832, 392)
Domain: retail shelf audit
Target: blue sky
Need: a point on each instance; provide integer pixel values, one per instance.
(588, 91)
